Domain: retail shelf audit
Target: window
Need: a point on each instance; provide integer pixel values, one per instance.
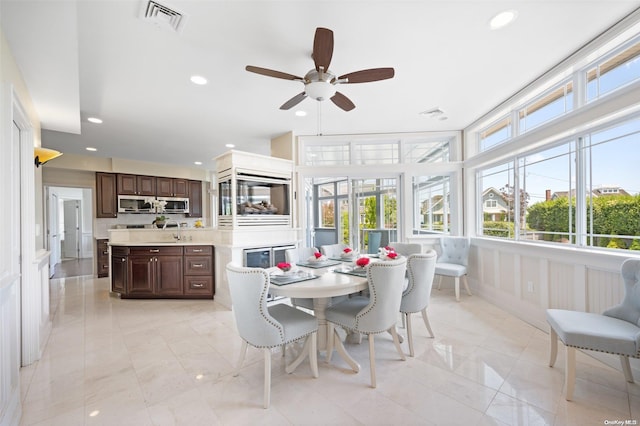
(377, 153)
(495, 134)
(431, 211)
(491, 203)
(496, 184)
(327, 155)
(551, 104)
(436, 151)
(614, 72)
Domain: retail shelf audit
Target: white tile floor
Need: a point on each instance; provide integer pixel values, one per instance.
(169, 362)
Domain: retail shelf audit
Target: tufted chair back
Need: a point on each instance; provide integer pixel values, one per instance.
(629, 309)
(332, 250)
(454, 250)
(386, 280)
(248, 288)
(406, 249)
(421, 269)
(299, 254)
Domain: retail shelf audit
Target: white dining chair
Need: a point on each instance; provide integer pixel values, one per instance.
(268, 327)
(332, 250)
(371, 315)
(421, 269)
(405, 249)
(452, 262)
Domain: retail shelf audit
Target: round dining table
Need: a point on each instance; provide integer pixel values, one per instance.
(321, 289)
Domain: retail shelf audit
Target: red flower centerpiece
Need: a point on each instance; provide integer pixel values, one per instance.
(284, 266)
(347, 250)
(318, 255)
(392, 255)
(362, 262)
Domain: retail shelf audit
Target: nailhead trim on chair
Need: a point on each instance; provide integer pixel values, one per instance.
(280, 329)
(637, 355)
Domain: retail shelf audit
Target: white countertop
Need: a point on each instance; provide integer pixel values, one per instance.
(163, 244)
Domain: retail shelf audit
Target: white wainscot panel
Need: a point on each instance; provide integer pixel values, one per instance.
(488, 272)
(9, 352)
(507, 272)
(561, 286)
(604, 289)
(530, 280)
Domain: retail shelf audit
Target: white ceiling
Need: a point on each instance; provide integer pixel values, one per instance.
(99, 58)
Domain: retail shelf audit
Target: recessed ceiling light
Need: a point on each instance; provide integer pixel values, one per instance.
(230, 145)
(90, 148)
(94, 120)
(301, 113)
(198, 79)
(503, 19)
(198, 163)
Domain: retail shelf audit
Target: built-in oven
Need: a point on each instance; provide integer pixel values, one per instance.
(174, 204)
(135, 204)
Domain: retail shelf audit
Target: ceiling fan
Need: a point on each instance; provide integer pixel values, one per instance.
(320, 83)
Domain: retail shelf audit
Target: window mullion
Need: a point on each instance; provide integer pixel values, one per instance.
(581, 193)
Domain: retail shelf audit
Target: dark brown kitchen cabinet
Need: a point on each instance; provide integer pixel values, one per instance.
(173, 271)
(136, 185)
(119, 269)
(195, 198)
(106, 195)
(102, 258)
(172, 187)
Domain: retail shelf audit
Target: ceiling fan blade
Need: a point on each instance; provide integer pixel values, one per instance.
(272, 73)
(322, 48)
(294, 101)
(342, 101)
(366, 76)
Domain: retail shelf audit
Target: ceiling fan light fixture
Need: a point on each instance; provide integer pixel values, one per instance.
(320, 90)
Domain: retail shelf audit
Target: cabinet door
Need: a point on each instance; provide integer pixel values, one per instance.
(180, 188)
(146, 185)
(195, 198)
(127, 184)
(106, 195)
(169, 275)
(164, 187)
(140, 275)
(119, 274)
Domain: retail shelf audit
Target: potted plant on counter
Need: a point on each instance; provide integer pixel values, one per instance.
(159, 221)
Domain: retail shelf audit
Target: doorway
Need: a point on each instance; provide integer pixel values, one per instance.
(69, 231)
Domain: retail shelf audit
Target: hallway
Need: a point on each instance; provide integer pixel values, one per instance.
(74, 268)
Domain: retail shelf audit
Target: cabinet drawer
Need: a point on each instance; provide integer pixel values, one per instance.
(103, 268)
(198, 265)
(198, 285)
(157, 251)
(198, 250)
(119, 251)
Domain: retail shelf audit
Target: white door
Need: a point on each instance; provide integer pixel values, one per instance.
(71, 243)
(52, 230)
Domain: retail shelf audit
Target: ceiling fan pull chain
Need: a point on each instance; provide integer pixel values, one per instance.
(319, 118)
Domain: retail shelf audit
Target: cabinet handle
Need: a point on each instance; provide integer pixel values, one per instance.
(154, 250)
(105, 252)
(197, 250)
(105, 266)
(197, 285)
(197, 265)
(123, 260)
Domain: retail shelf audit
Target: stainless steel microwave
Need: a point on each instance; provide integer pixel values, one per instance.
(174, 204)
(134, 204)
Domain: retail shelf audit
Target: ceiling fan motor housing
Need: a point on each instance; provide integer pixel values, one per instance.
(318, 85)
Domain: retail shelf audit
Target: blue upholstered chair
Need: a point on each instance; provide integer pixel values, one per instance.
(616, 331)
(268, 327)
(452, 262)
(371, 315)
(420, 268)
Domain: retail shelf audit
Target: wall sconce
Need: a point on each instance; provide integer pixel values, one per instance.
(44, 154)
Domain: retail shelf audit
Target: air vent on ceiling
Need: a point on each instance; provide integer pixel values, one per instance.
(434, 113)
(162, 16)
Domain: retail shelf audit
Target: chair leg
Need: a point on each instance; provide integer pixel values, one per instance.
(570, 373)
(372, 361)
(243, 352)
(400, 338)
(267, 377)
(457, 281)
(553, 347)
(396, 341)
(626, 368)
(409, 333)
(466, 285)
(426, 322)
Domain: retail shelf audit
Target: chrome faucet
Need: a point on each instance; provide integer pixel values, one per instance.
(177, 236)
